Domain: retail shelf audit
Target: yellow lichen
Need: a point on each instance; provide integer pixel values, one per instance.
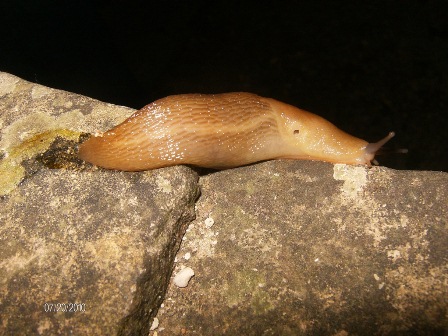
(11, 172)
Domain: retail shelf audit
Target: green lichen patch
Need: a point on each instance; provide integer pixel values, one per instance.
(247, 286)
(11, 170)
(10, 176)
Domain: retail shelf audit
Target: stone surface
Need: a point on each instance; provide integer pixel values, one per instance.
(103, 240)
(32, 116)
(308, 248)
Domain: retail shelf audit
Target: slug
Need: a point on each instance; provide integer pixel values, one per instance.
(223, 131)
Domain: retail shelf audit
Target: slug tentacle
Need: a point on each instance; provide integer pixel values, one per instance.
(372, 148)
(222, 131)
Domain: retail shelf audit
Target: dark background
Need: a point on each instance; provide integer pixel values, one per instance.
(367, 66)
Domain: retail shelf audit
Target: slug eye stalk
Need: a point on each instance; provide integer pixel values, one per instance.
(376, 148)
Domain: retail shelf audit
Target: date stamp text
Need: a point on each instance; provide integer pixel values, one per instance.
(64, 307)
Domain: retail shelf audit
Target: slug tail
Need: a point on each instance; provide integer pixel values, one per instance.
(104, 152)
(95, 151)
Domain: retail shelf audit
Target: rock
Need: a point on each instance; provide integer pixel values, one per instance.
(309, 248)
(277, 248)
(99, 242)
(34, 116)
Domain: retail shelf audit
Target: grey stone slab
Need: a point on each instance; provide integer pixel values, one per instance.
(309, 248)
(99, 242)
(102, 239)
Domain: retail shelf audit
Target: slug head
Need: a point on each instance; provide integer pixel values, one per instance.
(373, 148)
(308, 136)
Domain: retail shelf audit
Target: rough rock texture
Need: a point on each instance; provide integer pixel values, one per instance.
(278, 248)
(103, 240)
(32, 116)
(308, 248)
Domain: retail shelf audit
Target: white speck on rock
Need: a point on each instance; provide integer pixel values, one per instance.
(187, 255)
(355, 178)
(155, 323)
(209, 222)
(182, 278)
(164, 185)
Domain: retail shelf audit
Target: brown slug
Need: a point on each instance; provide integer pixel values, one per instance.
(222, 131)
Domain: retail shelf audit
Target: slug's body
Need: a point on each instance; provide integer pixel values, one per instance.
(222, 131)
